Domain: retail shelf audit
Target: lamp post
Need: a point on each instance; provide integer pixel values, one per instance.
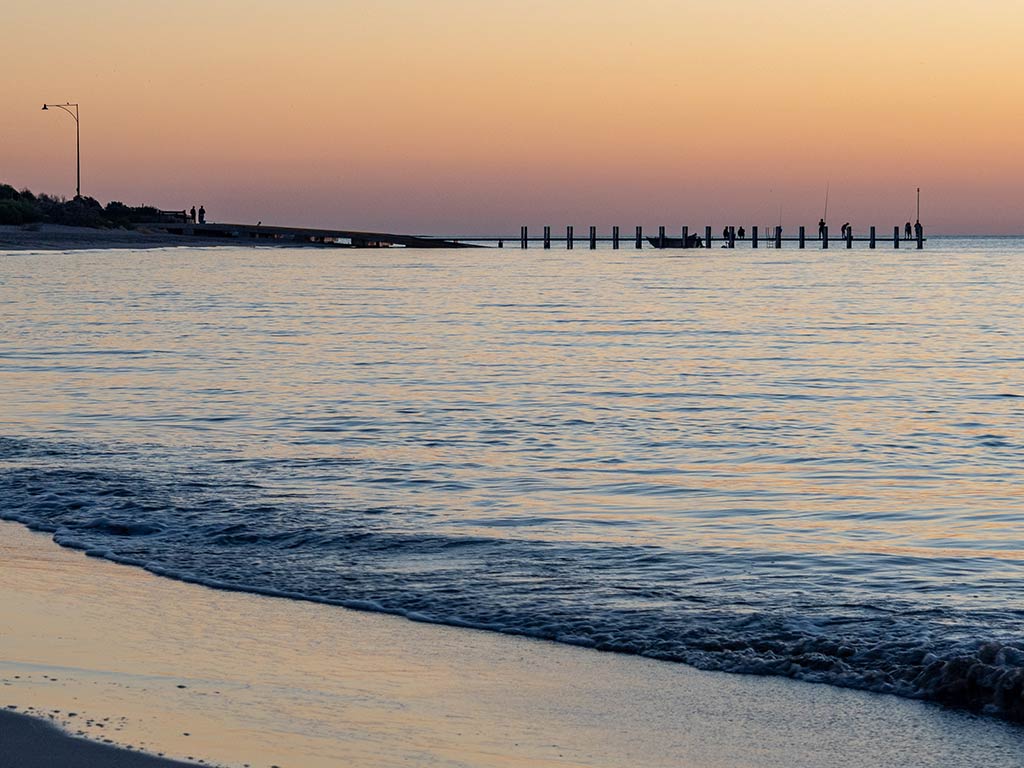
(78, 143)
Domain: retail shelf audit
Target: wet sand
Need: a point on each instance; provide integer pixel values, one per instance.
(236, 679)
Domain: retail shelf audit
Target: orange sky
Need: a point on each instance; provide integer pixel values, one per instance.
(471, 116)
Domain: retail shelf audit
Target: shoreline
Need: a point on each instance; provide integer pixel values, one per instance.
(57, 237)
(236, 678)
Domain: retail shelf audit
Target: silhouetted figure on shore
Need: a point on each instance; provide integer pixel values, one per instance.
(725, 233)
(741, 233)
(846, 231)
(202, 214)
(192, 213)
(907, 231)
(918, 230)
(821, 229)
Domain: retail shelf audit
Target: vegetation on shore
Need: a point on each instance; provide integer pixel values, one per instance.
(24, 207)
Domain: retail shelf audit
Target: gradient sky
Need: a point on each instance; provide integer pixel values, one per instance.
(460, 116)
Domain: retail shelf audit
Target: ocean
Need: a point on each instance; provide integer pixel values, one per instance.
(772, 462)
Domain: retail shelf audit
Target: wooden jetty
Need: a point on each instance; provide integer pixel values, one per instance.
(339, 238)
(727, 239)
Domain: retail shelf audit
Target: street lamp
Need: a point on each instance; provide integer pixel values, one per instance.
(78, 143)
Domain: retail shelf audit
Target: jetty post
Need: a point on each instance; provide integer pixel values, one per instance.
(686, 235)
(639, 237)
(661, 237)
(896, 236)
(615, 238)
(753, 236)
(522, 237)
(568, 237)
(707, 237)
(849, 237)
(547, 238)
(778, 237)
(732, 237)
(803, 236)
(872, 237)
(824, 236)
(920, 238)
(593, 238)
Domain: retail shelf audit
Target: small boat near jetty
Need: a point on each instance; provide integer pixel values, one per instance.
(691, 241)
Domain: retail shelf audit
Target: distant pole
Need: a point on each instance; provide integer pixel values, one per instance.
(849, 237)
(803, 236)
(872, 238)
(522, 237)
(896, 236)
(824, 236)
(918, 204)
(593, 238)
(778, 236)
(753, 236)
(78, 143)
(547, 238)
(639, 237)
(707, 236)
(568, 237)
(615, 238)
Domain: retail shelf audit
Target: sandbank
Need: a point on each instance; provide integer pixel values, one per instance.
(236, 679)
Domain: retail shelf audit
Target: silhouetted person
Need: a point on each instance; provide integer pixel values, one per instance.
(192, 213)
(741, 233)
(846, 230)
(918, 230)
(821, 229)
(725, 233)
(202, 215)
(907, 231)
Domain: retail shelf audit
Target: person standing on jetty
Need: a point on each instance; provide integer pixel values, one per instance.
(918, 230)
(741, 233)
(907, 232)
(202, 214)
(192, 214)
(821, 229)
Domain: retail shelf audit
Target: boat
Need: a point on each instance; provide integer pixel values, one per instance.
(692, 241)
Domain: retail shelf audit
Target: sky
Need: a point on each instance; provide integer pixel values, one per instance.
(470, 116)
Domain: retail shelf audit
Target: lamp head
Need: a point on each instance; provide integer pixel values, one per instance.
(44, 106)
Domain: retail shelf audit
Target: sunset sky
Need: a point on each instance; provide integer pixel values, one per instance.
(461, 116)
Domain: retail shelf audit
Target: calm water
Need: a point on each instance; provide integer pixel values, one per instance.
(781, 462)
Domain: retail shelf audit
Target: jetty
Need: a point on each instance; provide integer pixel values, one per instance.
(756, 237)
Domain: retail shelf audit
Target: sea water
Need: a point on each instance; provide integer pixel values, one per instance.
(800, 463)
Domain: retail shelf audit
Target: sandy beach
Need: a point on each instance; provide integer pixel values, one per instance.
(237, 679)
(56, 237)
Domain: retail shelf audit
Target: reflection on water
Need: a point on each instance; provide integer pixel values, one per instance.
(770, 461)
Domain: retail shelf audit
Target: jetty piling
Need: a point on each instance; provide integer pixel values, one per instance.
(778, 237)
(753, 236)
(547, 238)
(803, 237)
(615, 238)
(685, 233)
(824, 236)
(896, 236)
(639, 237)
(872, 240)
(523, 238)
(593, 238)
